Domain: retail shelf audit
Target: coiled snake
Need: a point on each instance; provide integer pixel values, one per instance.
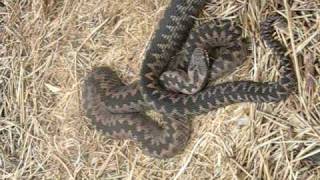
(166, 82)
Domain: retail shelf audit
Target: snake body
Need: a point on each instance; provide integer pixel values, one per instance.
(211, 50)
(114, 107)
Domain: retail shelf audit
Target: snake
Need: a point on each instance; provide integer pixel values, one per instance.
(208, 54)
(118, 109)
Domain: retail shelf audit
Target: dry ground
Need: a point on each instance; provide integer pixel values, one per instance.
(47, 47)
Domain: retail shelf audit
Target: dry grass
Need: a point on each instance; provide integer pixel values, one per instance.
(46, 48)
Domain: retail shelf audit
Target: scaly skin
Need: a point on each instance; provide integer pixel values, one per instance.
(113, 107)
(208, 54)
(168, 40)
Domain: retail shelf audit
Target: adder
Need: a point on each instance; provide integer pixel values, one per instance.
(115, 108)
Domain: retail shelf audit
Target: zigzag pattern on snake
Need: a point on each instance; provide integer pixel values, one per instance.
(114, 107)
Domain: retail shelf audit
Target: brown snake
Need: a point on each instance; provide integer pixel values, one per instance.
(114, 107)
